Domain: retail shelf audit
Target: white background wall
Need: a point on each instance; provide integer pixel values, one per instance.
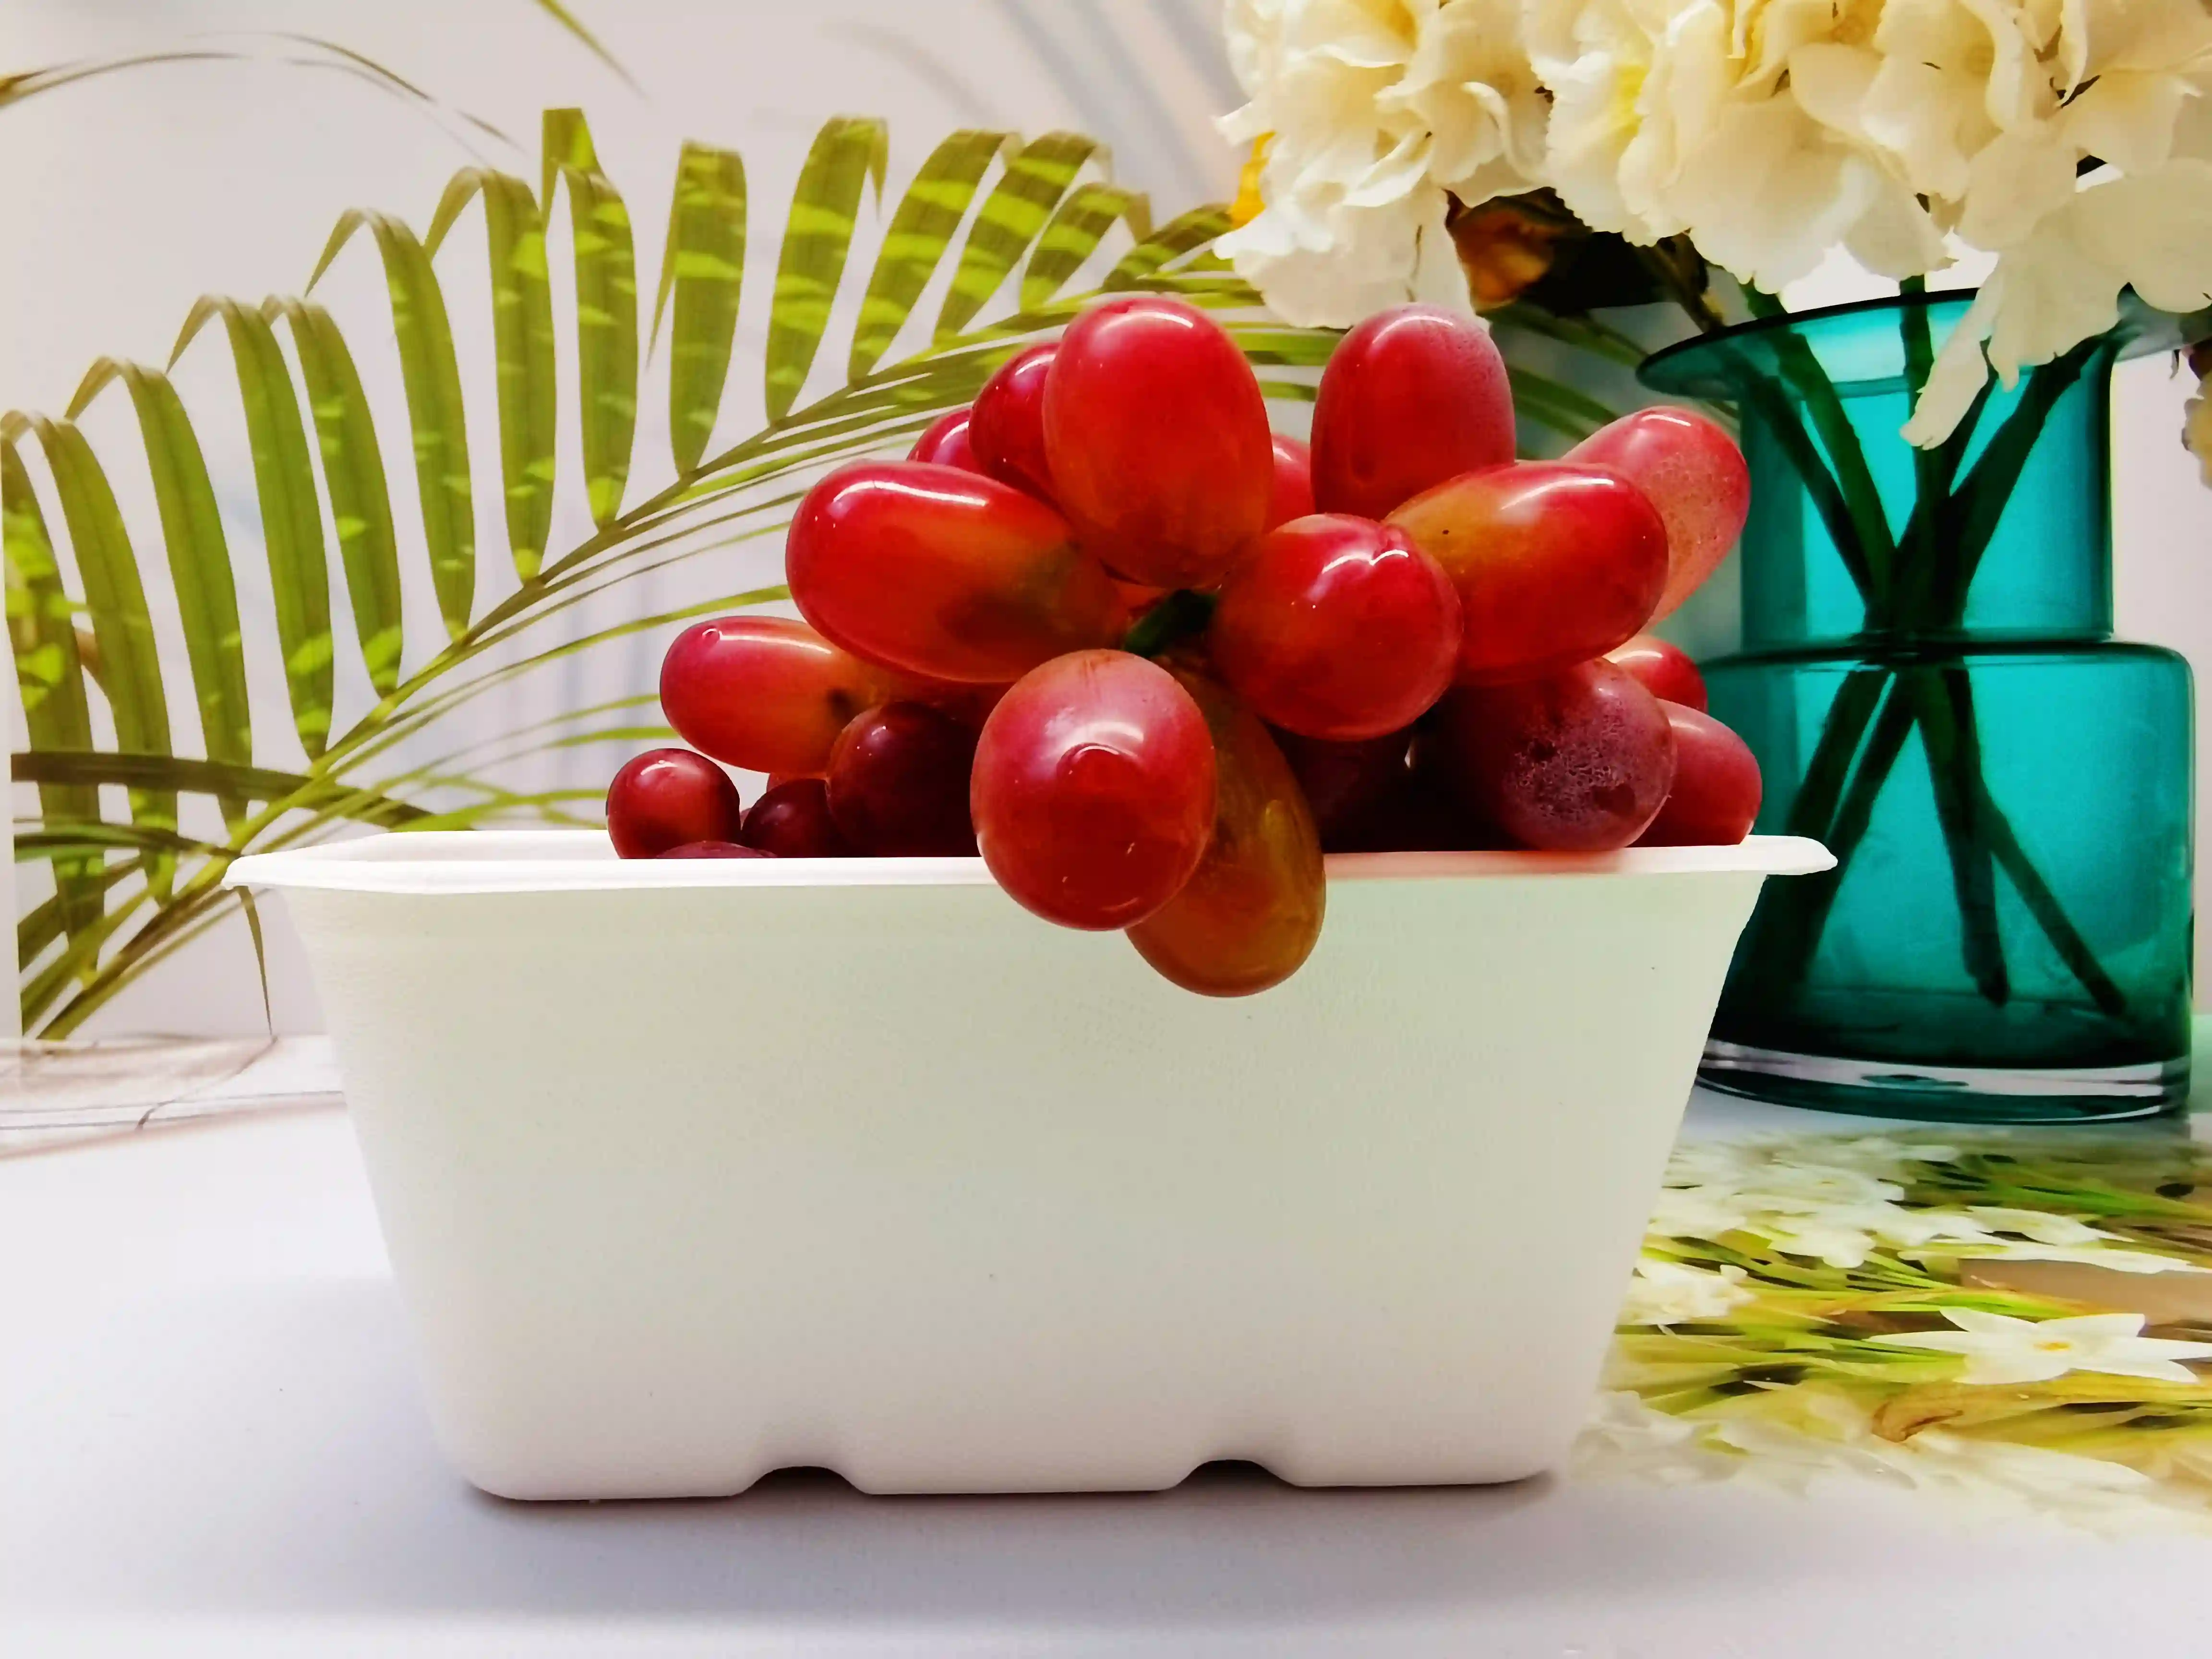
(131, 194)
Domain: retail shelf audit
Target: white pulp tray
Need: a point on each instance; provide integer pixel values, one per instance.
(691, 1170)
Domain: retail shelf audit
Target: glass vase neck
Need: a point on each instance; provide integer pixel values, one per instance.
(2003, 532)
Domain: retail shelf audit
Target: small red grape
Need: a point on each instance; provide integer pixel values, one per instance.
(898, 783)
(1715, 799)
(1348, 785)
(1293, 497)
(667, 797)
(791, 820)
(1578, 761)
(947, 442)
(1336, 627)
(1155, 434)
(1007, 429)
(1665, 669)
(1411, 398)
(1554, 563)
(1094, 789)
(1694, 475)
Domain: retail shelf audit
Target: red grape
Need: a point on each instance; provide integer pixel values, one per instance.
(767, 694)
(1579, 761)
(714, 849)
(898, 783)
(1094, 789)
(1157, 436)
(1410, 398)
(947, 442)
(666, 797)
(944, 573)
(1337, 627)
(1293, 497)
(1347, 785)
(1665, 669)
(791, 820)
(1007, 430)
(1252, 912)
(1694, 475)
(1554, 563)
(1715, 799)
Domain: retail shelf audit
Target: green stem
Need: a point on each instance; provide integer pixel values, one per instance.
(1944, 707)
(2050, 914)
(1181, 616)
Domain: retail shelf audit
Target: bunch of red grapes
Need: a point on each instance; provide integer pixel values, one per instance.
(1152, 660)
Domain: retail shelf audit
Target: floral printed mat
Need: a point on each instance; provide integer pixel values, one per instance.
(2015, 1319)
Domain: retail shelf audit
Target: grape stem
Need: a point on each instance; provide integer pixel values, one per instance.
(1183, 615)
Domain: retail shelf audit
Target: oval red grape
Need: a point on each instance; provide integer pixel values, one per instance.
(1578, 761)
(944, 573)
(1293, 496)
(1093, 793)
(947, 442)
(792, 821)
(767, 694)
(1554, 564)
(1347, 785)
(1693, 474)
(1410, 397)
(669, 798)
(1006, 429)
(1336, 627)
(898, 783)
(1251, 913)
(1157, 439)
(1665, 669)
(1715, 799)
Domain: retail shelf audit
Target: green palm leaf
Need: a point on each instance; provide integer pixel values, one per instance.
(849, 154)
(199, 559)
(606, 308)
(1184, 233)
(1017, 209)
(291, 522)
(522, 335)
(704, 266)
(1074, 234)
(50, 675)
(432, 378)
(921, 229)
(353, 476)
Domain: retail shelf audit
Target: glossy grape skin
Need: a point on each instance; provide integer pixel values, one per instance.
(1578, 761)
(1554, 564)
(898, 783)
(1251, 913)
(947, 442)
(766, 694)
(714, 849)
(1093, 793)
(1006, 430)
(1666, 670)
(791, 820)
(1693, 474)
(1293, 496)
(944, 573)
(1157, 438)
(1715, 799)
(1336, 627)
(668, 797)
(1347, 785)
(1411, 398)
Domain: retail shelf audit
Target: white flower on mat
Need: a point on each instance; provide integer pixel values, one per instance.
(1670, 1293)
(1627, 1438)
(1706, 1213)
(2120, 1262)
(2037, 1225)
(2001, 1350)
(1375, 114)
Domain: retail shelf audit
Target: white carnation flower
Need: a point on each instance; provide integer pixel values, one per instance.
(1376, 113)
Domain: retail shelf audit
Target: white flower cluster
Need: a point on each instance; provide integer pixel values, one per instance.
(2070, 138)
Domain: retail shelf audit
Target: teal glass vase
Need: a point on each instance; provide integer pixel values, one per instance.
(1929, 681)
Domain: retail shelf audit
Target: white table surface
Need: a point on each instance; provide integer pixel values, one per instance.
(211, 1442)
